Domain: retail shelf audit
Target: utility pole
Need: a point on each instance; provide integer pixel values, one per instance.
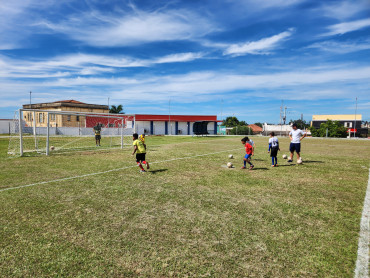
(169, 116)
(30, 100)
(355, 120)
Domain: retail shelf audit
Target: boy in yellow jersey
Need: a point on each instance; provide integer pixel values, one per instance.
(140, 150)
(142, 139)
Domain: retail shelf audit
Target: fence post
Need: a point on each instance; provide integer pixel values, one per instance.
(122, 134)
(47, 132)
(20, 132)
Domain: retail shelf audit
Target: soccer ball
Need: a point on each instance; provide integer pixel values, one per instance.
(231, 156)
(229, 165)
(285, 156)
(299, 161)
(52, 148)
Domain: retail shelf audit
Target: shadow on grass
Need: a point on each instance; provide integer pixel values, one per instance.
(158, 171)
(259, 168)
(312, 161)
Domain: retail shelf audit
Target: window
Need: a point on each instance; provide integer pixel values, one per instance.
(77, 118)
(52, 117)
(41, 117)
(348, 124)
(69, 118)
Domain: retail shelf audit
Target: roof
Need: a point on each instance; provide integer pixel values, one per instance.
(65, 103)
(69, 101)
(343, 117)
(176, 118)
(256, 128)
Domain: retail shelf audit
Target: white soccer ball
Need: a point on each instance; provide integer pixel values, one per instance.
(299, 161)
(229, 165)
(285, 156)
(231, 156)
(52, 148)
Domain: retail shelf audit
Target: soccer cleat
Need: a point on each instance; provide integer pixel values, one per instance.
(289, 160)
(272, 165)
(142, 171)
(276, 165)
(243, 167)
(147, 165)
(252, 166)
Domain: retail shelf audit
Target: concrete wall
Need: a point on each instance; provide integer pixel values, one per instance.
(5, 126)
(159, 127)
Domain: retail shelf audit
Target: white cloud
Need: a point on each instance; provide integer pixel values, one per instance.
(131, 29)
(180, 57)
(343, 10)
(82, 64)
(263, 46)
(341, 47)
(345, 27)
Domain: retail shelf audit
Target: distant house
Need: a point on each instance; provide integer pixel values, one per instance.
(351, 121)
(256, 129)
(63, 106)
(280, 130)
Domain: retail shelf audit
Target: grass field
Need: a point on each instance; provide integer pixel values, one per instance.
(188, 216)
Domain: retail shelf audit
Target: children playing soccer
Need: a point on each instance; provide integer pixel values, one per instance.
(296, 136)
(273, 149)
(140, 150)
(249, 151)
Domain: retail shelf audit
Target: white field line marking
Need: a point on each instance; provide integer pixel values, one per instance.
(108, 171)
(362, 263)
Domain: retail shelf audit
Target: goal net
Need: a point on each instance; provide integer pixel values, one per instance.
(36, 131)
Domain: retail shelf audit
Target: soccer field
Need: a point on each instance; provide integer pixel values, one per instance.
(92, 214)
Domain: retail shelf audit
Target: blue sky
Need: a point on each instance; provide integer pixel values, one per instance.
(230, 57)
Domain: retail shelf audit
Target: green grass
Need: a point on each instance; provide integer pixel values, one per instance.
(187, 217)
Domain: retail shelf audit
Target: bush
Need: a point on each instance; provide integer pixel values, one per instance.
(241, 130)
(334, 128)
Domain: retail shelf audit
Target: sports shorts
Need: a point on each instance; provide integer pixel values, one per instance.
(295, 147)
(247, 156)
(140, 157)
(97, 137)
(274, 151)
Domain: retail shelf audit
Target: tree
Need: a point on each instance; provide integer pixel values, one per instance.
(230, 121)
(116, 109)
(243, 123)
(301, 124)
(241, 130)
(259, 124)
(334, 129)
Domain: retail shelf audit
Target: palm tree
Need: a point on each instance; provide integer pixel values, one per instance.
(116, 109)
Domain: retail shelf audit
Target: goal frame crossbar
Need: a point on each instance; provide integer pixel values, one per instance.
(71, 113)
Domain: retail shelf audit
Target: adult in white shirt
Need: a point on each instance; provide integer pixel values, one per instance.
(296, 136)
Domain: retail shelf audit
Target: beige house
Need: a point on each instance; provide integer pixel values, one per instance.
(40, 118)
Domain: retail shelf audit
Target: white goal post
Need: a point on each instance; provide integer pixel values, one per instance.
(43, 131)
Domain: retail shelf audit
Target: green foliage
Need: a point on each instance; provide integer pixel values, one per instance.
(116, 109)
(301, 124)
(241, 130)
(243, 123)
(259, 124)
(230, 121)
(334, 128)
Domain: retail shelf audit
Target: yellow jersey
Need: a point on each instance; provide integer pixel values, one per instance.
(140, 146)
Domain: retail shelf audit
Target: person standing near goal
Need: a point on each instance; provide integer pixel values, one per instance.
(140, 150)
(296, 136)
(97, 132)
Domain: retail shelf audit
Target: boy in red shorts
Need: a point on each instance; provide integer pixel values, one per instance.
(249, 151)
